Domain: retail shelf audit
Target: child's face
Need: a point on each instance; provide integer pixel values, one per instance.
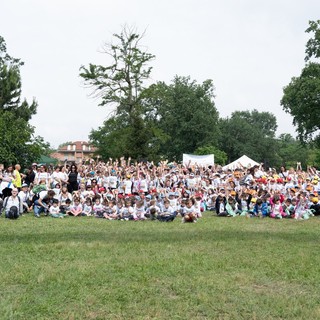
(189, 204)
(97, 201)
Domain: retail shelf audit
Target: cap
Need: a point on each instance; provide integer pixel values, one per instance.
(24, 185)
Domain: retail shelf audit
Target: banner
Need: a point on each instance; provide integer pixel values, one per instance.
(206, 160)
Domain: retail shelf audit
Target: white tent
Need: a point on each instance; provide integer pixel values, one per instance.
(242, 162)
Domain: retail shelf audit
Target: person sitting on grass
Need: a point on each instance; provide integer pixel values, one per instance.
(76, 208)
(12, 205)
(152, 210)
(167, 213)
(127, 212)
(232, 207)
(315, 206)
(276, 209)
(54, 210)
(98, 208)
(110, 212)
(139, 210)
(221, 206)
(87, 207)
(190, 214)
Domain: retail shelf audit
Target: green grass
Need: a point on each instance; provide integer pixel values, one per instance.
(218, 268)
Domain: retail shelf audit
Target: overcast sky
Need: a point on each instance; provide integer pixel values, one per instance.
(249, 48)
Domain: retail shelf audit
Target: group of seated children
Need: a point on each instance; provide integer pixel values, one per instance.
(299, 206)
(106, 206)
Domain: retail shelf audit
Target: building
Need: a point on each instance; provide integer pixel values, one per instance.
(75, 152)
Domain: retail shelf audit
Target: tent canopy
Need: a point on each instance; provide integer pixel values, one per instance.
(47, 160)
(242, 162)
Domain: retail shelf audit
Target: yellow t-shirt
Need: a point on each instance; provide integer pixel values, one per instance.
(17, 179)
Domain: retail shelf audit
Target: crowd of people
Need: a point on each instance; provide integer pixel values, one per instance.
(124, 190)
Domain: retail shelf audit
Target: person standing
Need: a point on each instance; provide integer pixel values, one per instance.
(17, 182)
(7, 182)
(73, 179)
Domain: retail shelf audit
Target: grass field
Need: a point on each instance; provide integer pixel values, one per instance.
(218, 268)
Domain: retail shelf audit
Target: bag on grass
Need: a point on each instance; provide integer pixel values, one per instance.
(13, 213)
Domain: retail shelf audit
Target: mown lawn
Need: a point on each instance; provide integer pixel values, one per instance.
(218, 268)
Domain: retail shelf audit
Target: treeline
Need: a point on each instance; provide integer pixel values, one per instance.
(163, 121)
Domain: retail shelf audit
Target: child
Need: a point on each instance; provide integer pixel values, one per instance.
(261, 208)
(190, 213)
(128, 212)
(76, 208)
(197, 201)
(87, 208)
(182, 208)
(167, 213)
(232, 207)
(153, 210)
(111, 211)
(221, 206)
(24, 196)
(98, 208)
(54, 210)
(315, 206)
(276, 209)
(66, 207)
(140, 210)
(301, 207)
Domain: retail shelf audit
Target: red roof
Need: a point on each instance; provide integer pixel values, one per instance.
(79, 147)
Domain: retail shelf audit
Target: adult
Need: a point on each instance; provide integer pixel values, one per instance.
(12, 205)
(43, 202)
(55, 177)
(29, 176)
(17, 177)
(73, 179)
(7, 179)
(42, 175)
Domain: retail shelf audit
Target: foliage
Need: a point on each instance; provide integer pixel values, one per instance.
(313, 44)
(220, 157)
(214, 269)
(302, 100)
(251, 133)
(301, 97)
(120, 84)
(290, 151)
(17, 144)
(185, 112)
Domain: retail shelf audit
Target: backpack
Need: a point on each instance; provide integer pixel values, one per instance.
(38, 188)
(36, 191)
(13, 212)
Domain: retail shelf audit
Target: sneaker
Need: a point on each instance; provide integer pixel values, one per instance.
(37, 215)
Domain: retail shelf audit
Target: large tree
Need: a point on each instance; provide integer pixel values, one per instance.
(184, 114)
(301, 96)
(251, 133)
(18, 143)
(120, 85)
